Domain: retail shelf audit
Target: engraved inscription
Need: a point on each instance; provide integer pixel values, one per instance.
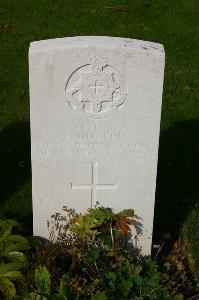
(83, 142)
(97, 89)
(94, 186)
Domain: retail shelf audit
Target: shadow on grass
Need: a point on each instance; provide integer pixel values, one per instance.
(177, 178)
(15, 171)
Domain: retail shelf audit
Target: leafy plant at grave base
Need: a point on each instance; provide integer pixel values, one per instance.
(98, 260)
(12, 260)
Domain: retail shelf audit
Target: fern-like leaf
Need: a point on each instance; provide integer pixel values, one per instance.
(84, 226)
(43, 282)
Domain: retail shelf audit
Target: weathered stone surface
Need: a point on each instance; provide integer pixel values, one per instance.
(95, 117)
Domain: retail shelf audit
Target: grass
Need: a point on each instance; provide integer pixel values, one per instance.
(190, 234)
(172, 23)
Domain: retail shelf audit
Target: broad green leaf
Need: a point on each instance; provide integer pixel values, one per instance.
(99, 296)
(7, 288)
(35, 296)
(15, 243)
(18, 257)
(63, 289)
(126, 213)
(6, 227)
(9, 267)
(100, 214)
(58, 297)
(13, 275)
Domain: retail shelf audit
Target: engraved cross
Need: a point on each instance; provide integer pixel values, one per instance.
(96, 87)
(94, 186)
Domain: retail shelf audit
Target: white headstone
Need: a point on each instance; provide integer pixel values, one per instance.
(95, 118)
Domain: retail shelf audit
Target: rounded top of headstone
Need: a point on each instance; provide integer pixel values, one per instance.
(103, 41)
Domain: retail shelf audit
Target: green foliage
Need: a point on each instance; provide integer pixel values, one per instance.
(42, 279)
(43, 287)
(91, 257)
(63, 289)
(35, 296)
(12, 260)
(99, 296)
(11, 245)
(84, 226)
(92, 254)
(101, 260)
(104, 222)
(7, 288)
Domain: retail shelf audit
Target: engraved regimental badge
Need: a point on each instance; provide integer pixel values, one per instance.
(96, 89)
